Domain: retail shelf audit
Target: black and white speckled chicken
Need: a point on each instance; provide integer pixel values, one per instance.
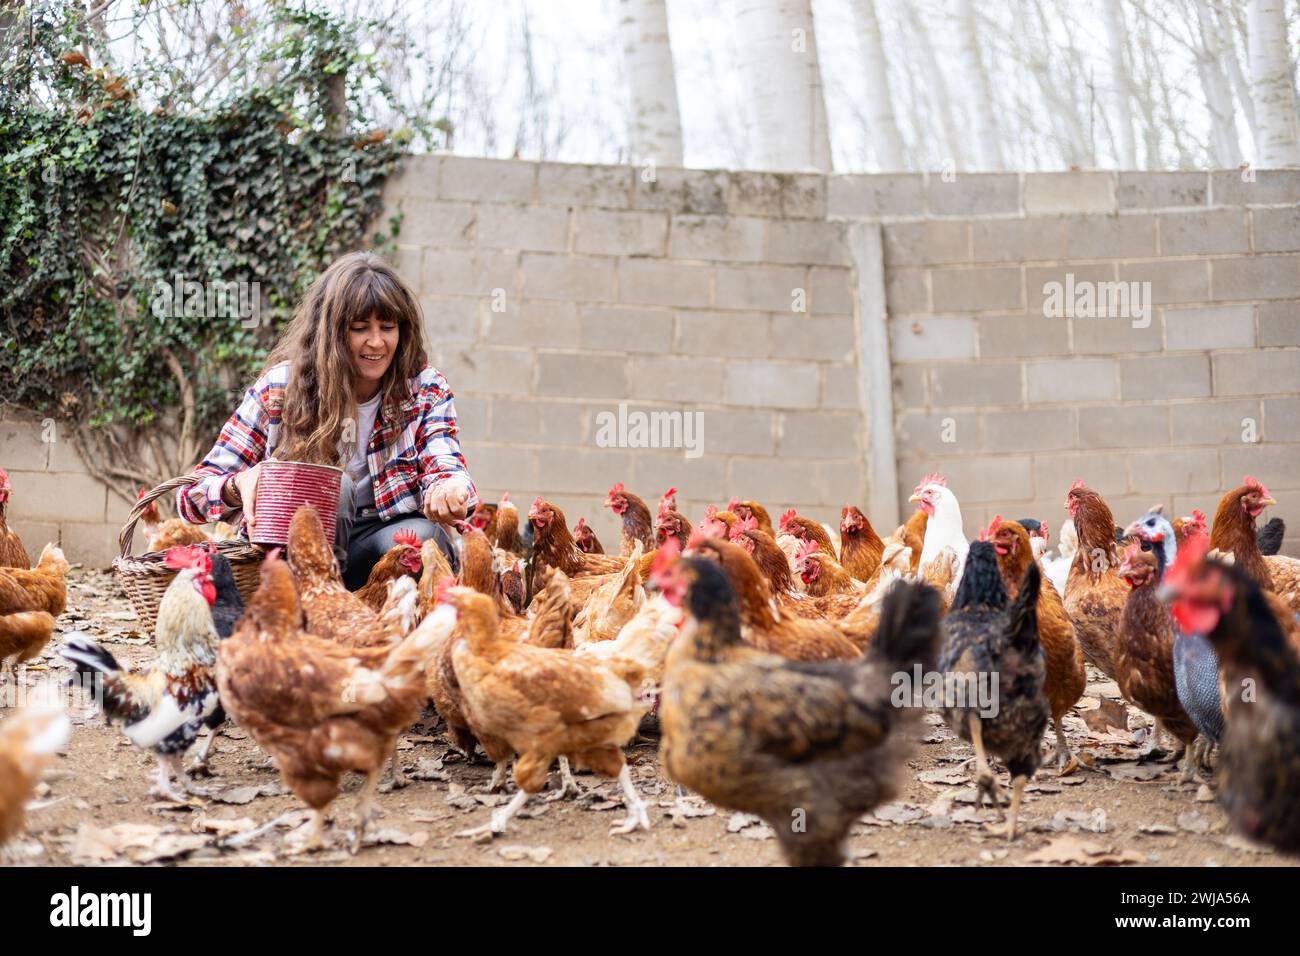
(163, 709)
(988, 639)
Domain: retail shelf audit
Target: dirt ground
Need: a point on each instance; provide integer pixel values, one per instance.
(94, 805)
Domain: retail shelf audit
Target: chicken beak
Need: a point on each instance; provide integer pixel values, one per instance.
(914, 498)
(1266, 502)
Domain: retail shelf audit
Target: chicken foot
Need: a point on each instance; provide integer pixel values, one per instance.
(636, 807)
(567, 784)
(1017, 793)
(1066, 762)
(167, 768)
(201, 767)
(365, 808)
(398, 780)
(500, 817)
(499, 773)
(985, 781)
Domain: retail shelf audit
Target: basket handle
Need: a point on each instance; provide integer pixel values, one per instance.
(128, 531)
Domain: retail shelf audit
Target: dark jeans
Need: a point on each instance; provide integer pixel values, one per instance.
(360, 540)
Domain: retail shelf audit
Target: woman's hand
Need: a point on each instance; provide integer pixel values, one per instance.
(246, 487)
(446, 503)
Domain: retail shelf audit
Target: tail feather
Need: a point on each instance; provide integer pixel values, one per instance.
(90, 660)
(409, 659)
(1024, 610)
(89, 657)
(909, 627)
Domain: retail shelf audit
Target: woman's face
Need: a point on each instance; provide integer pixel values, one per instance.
(373, 343)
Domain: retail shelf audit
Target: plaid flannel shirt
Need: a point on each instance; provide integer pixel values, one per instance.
(404, 461)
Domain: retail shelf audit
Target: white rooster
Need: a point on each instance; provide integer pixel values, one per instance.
(943, 529)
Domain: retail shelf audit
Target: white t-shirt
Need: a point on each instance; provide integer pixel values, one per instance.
(356, 466)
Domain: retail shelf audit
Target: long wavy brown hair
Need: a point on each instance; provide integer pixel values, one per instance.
(319, 399)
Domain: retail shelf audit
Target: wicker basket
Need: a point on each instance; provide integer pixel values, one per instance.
(145, 577)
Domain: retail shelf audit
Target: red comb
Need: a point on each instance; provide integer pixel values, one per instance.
(933, 478)
(407, 537)
(188, 556)
(984, 534)
(537, 506)
(1046, 531)
(669, 494)
(710, 512)
(141, 494)
(1078, 485)
(616, 490)
(663, 509)
(582, 523)
(785, 518)
(743, 525)
(1198, 515)
(731, 505)
(993, 525)
(806, 550)
(1254, 485)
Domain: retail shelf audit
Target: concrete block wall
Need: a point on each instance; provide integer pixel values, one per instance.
(1014, 405)
(553, 293)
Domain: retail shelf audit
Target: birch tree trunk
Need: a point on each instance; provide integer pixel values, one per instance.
(785, 84)
(1122, 83)
(887, 142)
(1240, 87)
(1218, 95)
(987, 141)
(655, 125)
(1271, 87)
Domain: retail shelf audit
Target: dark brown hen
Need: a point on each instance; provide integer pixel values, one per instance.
(808, 747)
(994, 640)
(1259, 763)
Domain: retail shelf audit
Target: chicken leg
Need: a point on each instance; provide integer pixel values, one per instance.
(499, 773)
(1017, 792)
(567, 784)
(1066, 762)
(365, 808)
(636, 807)
(500, 817)
(167, 766)
(985, 781)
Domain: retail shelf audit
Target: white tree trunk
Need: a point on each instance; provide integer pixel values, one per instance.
(887, 142)
(1273, 92)
(779, 48)
(655, 125)
(987, 141)
(1218, 95)
(1240, 87)
(1121, 82)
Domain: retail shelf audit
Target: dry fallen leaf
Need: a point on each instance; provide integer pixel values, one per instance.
(1070, 849)
(94, 844)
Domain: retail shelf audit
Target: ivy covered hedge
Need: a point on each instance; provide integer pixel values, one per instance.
(105, 203)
